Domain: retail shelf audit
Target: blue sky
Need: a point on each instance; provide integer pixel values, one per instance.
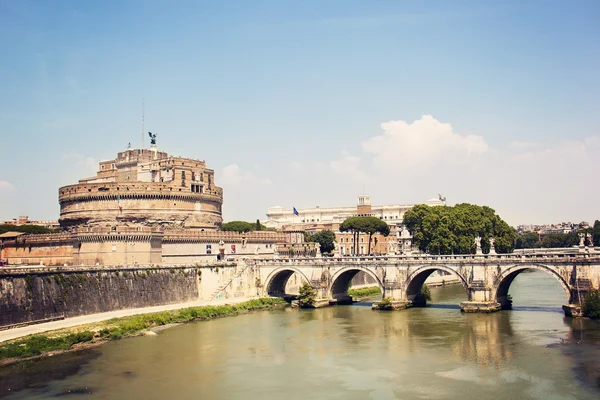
(286, 100)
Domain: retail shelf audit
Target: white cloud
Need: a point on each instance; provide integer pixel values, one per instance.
(5, 185)
(525, 182)
(244, 193)
(86, 165)
(520, 145)
(426, 142)
(233, 175)
(348, 166)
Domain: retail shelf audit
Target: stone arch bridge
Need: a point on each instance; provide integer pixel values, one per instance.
(485, 277)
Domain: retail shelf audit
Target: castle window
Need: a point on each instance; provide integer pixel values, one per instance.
(103, 168)
(113, 166)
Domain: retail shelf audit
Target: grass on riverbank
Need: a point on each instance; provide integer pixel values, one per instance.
(118, 328)
(365, 291)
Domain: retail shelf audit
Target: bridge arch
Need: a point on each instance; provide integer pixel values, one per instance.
(277, 280)
(417, 278)
(508, 275)
(340, 282)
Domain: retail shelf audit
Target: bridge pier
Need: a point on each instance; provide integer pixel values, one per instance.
(480, 299)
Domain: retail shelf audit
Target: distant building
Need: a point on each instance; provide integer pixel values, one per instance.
(317, 219)
(24, 220)
(277, 217)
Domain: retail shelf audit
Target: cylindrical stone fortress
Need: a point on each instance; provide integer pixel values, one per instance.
(144, 187)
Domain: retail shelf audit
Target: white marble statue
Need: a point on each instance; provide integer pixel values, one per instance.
(582, 239)
(478, 242)
(492, 248)
(590, 239)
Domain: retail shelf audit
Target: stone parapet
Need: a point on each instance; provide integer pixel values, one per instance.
(46, 239)
(227, 237)
(114, 190)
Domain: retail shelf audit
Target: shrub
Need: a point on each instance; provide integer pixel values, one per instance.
(385, 304)
(591, 305)
(425, 292)
(306, 296)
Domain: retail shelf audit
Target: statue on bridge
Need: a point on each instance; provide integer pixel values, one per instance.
(581, 239)
(492, 248)
(478, 245)
(590, 239)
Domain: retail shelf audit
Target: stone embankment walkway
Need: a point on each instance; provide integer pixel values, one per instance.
(15, 333)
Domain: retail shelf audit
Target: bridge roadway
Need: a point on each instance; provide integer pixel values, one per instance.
(485, 277)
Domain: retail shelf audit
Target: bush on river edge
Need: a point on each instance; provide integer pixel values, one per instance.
(127, 326)
(365, 291)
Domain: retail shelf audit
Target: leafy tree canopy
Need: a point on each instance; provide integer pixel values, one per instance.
(34, 229)
(242, 226)
(452, 230)
(326, 240)
(368, 225)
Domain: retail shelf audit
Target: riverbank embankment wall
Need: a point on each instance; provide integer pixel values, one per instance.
(36, 294)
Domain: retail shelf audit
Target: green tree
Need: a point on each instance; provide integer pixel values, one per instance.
(242, 226)
(596, 233)
(367, 225)
(553, 240)
(591, 305)
(452, 230)
(306, 296)
(325, 238)
(33, 229)
(527, 240)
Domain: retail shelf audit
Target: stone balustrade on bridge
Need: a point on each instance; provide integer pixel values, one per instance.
(485, 277)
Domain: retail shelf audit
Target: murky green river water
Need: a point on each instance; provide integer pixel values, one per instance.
(344, 352)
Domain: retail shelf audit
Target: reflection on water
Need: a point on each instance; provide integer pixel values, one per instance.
(352, 352)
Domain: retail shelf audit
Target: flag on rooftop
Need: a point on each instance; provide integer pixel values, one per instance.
(296, 211)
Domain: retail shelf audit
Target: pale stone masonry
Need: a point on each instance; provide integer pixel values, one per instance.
(144, 187)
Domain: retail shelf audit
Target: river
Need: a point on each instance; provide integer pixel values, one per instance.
(343, 352)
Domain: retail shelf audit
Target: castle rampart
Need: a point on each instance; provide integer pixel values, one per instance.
(147, 188)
